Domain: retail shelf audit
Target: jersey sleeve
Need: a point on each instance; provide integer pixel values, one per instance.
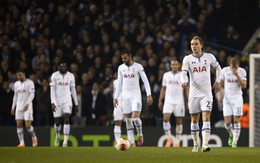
(184, 69)
(72, 80)
(119, 83)
(222, 74)
(31, 90)
(185, 64)
(31, 87)
(145, 80)
(216, 65)
(164, 80)
(214, 61)
(53, 82)
(244, 74)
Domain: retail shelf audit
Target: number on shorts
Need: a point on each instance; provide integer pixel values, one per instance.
(209, 104)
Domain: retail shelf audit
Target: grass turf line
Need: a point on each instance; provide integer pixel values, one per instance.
(138, 154)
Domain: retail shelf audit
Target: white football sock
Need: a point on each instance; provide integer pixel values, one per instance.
(20, 135)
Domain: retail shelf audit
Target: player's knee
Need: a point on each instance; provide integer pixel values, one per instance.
(57, 121)
(66, 119)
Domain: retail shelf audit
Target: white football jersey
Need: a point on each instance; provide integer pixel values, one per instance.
(199, 73)
(174, 90)
(128, 80)
(232, 88)
(62, 84)
(120, 95)
(23, 90)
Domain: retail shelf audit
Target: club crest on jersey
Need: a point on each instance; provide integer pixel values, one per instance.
(129, 75)
(199, 69)
(63, 83)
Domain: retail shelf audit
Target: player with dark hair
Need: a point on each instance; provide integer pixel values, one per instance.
(22, 107)
(129, 74)
(62, 89)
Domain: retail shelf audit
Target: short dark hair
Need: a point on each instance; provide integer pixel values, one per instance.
(62, 61)
(126, 51)
(20, 70)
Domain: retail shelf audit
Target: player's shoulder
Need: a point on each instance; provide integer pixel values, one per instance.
(167, 73)
(188, 56)
(121, 66)
(69, 73)
(29, 81)
(225, 70)
(138, 65)
(208, 55)
(241, 69)
(54, 74)
(17, 83)
(115, 81)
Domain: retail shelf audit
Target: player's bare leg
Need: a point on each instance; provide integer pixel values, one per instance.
(30, 129)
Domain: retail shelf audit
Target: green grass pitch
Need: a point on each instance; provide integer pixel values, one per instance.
(138, 154)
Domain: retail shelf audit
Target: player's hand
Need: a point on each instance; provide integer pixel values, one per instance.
(13, 112)
(76, 108)
(26, 106)
(149, 100)
(115, 103)
(53, 107)
(160, 105)
(216, 86)
(184, 85)
(219, 97)
(234, 70)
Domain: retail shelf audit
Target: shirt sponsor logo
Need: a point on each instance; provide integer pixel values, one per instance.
(173, 82)
(21, 91)
(63, 83)
(232, 81)
(199, 69)
(129, 75)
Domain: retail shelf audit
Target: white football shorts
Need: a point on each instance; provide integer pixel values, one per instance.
(233, 108)
(63, 108)
(24, 115)
(200, 104)
(118, 114)
(132, 104)
(177, 109)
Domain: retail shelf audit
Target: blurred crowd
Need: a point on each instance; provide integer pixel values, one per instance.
(36, 34)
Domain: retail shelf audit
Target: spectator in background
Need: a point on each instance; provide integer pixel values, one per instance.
(6, 96)
(79, 119)
(96, 107)
(43, 104)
